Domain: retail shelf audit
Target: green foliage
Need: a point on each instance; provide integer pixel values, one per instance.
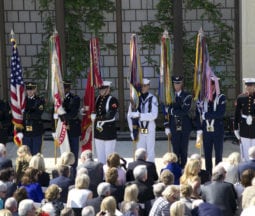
(79, 15)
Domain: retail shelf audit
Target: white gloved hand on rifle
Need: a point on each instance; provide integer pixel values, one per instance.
(167, 131)
(132, 136)
(135, 114)
(199, 139)
(237, 134)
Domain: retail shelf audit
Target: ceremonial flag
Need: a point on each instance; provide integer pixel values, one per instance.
(57, 94)
(135, 81)
(17, 92)
(93, 81)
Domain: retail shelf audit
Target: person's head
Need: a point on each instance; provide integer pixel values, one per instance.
(113, 160)
(82, 170)
(178, 83)
(88, 211)
(140, 154)
(218, 173)
(67, 86)
(177, 208)
(67, 158)
(169, 157)
(171, 193)
(49, 209)
(195, 183)
(26, 208)
(3, 190)
(5, 212)
(158, 188)
(186, 190)
(64, 170)
(109, 204)
(20, 194)
(105, 88)
(37, 162)
(111, 175)
(86, 155)
(145, 86)
(7, 174)
(23, 151)
(196, 156)
(247, 176)
(140, 173)
(11, 204)
(192, 168)
(251, 153)
(67, 212)
(2, 150)
(234, 158)
(52, 192)
(131, 207)
(249, 85)
(82, 181)
(31, 89)
(104, 189)
(166, 177)
(30, 176)
(131, 193)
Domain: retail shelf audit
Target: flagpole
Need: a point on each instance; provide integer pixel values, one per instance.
(93, 118)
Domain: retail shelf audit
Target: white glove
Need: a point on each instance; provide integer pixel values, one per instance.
(199, 139)
(55, 116)
(132, 136)
(167, 131)
(135, 114)
(199, 132)
(203, 115)
(237, 134)
(61, 110)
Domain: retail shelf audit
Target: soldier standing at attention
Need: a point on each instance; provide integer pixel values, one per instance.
(105, 128)
(179, 124)
(71, 105)
(244, 122)
(32, 121)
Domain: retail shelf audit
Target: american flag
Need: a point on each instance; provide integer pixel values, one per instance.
(17, 87)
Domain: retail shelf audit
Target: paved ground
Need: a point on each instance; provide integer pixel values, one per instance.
(124, 148)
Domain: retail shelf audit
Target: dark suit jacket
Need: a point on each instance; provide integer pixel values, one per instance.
(64, 183)
(95, 172)
(95, 202)
(5, 163)
(244, 166)
(151, 168)
(221, 194)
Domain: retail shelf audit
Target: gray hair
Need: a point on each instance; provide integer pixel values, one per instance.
(140, 153)
(88, 211)
(140, 172)
(25, 206)
(11, 203)
(103, 189)
(87, 154)
(158, 189)
(2, 150)
(218, 173)
(251, 152)
(3, 186)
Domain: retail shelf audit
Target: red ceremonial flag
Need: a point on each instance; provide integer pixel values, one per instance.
(17, 92)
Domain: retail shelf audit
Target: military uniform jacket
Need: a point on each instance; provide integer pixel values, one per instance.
(32, 121)
(179, 113)
(215, 112)
(106, 109)
(245, 106)
(71, 105)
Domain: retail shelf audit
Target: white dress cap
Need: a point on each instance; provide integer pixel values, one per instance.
(146, 81)
(107, 83)
(249, 80)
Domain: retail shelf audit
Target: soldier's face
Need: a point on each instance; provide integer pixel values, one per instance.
(250, 88)
(104, 91)
(178, 86)
(31, 92)
(145, 88)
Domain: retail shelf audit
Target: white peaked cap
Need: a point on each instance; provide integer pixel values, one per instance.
(146, 81)
(249, 80)
(107, 83)
(214, 78)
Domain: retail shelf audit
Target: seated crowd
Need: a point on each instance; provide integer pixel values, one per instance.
(117, 188)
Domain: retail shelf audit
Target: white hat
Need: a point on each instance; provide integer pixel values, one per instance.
(146, 81)
(107, 83)
(249, 80)
(214, 78)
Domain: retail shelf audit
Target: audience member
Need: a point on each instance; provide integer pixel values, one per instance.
(249, 211)
(7, 176)
(109, 205)
(37, 162)
(4, 161)
(201, 208)
(170, 160)
(63, 181)
(248, 194)
(26, 208)
(130, 209)
(12, 205)
(5, 212)
(49, 209)
(95, 170)
(191, 169)
(88, 211)
(186, 192)
(20, 194)
(250, 164)
(177, 208)
(195, 183)
(3, 189)
(103, 190)
(166, 177)
(67, 212)
(130, 195)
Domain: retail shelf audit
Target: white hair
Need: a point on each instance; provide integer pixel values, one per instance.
(49, 208)
(10, 203)
(104, 188)
(88, 211)
(25, 206)
(140, 172)
(2, 149)
(140, 153)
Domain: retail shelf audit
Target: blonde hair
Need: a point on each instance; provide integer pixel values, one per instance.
(52, 192)
(5, 212)
(191, 169)
(131, 193)
(37, 162)
(113, 160)
(109, 204)
(67, 158)
(234, 158)
(177, 208)
(82, 181)
(170, 191)
(169, 157)
(25, 151)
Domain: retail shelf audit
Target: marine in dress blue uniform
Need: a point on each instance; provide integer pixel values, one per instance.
(71, 105)
(179, 124)
(105, 122)
(32, 119)
(210, 123)
(244, 121)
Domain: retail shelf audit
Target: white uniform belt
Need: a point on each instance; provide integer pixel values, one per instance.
(246, 116)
